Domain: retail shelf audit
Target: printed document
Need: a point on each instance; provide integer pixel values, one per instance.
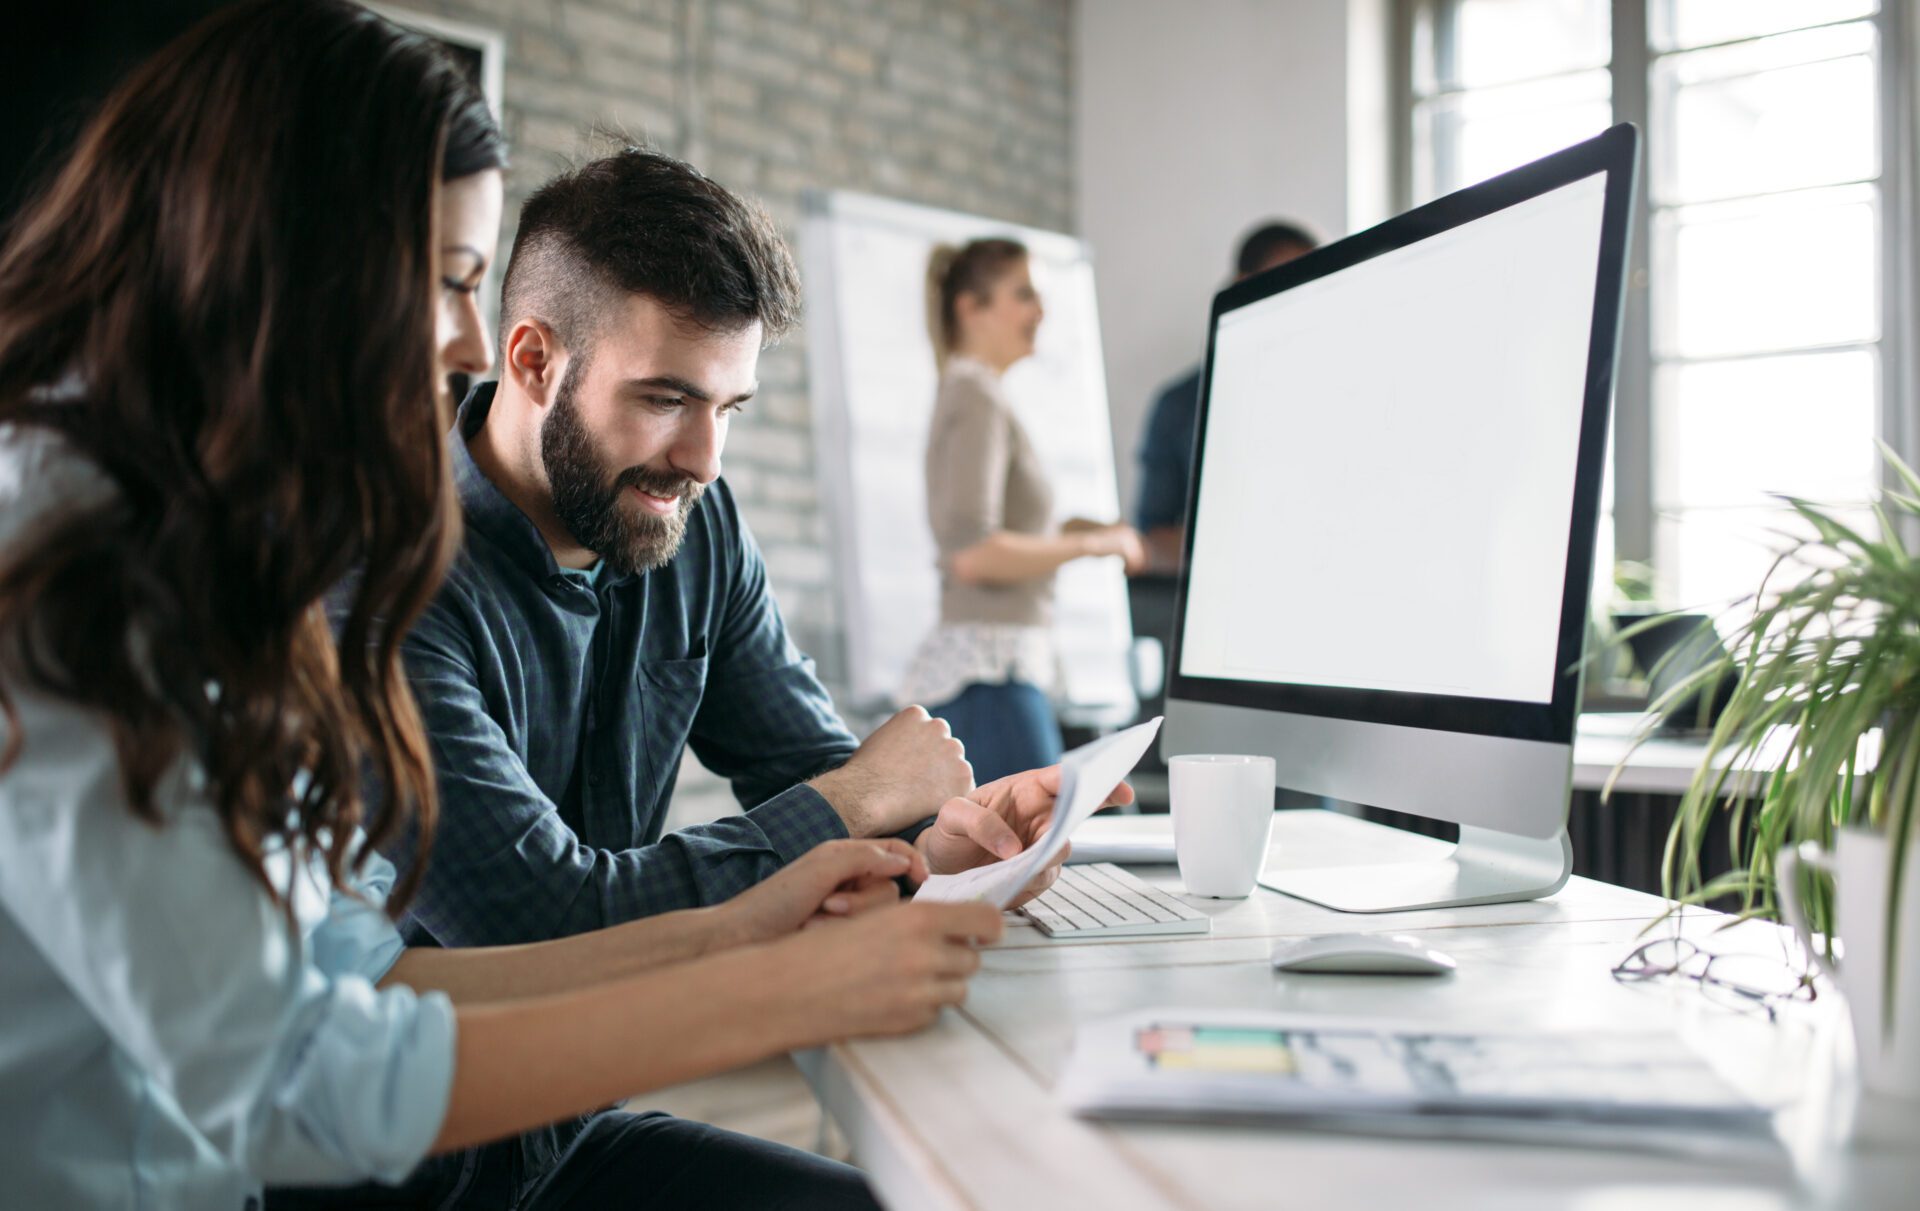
(1088, 775)
(1634, 1089)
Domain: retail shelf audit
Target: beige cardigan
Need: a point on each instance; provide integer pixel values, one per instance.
(983, 475)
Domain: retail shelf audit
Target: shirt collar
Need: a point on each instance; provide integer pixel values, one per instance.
(486, 508)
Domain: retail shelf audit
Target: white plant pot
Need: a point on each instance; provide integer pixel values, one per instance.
(1886, 1033)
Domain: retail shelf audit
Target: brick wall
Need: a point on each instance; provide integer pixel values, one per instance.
(955, 103)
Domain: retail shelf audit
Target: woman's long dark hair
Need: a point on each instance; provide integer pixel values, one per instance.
(224, 299)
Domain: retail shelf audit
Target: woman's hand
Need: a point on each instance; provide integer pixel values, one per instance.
(890, 972)
(834, 880)
(1110, 538)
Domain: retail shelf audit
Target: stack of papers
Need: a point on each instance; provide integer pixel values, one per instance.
(1088, 775)
(1401, 1078)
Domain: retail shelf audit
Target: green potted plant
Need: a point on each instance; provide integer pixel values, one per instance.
(1827, 704)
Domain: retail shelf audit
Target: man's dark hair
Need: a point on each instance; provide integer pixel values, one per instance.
(1263, 243)
(640, 222)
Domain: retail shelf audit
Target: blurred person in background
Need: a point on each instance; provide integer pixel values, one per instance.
(1166, 445)
(989, 666)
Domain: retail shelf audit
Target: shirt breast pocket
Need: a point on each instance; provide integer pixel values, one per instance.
(670, 694)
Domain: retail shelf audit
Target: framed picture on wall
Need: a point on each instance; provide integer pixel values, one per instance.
(480, 50)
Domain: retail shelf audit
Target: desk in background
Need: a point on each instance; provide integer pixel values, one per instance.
(1618, 841)
(1663, 765)
(962, 1116)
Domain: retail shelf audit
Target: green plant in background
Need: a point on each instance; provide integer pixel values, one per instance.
(1633, 582)
(1609, 664)
(1831, 657)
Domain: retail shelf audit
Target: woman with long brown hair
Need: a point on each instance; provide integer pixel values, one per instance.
(223, 326)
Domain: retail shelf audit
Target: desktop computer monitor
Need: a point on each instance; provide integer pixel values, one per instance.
(1397, 476)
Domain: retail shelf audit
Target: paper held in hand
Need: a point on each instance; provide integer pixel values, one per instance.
(1088, 775)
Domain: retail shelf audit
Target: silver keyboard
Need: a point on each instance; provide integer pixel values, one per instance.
(1104, 901)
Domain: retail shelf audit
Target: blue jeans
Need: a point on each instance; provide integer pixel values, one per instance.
(1007, 728)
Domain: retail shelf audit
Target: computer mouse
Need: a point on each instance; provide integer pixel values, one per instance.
(1362, 954)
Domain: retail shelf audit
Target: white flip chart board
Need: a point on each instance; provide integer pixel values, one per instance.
(873, 379)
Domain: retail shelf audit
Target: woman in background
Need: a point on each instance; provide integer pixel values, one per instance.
(225, 325)
(989, 667)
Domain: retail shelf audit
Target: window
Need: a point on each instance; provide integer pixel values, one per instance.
(1501, 82)
(1759, 346)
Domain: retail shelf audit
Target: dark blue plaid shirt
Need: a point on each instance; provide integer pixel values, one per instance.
(559, 709)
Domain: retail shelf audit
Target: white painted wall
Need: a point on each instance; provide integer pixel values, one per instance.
(1194, 119)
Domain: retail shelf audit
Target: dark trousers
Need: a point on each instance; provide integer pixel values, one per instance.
(618, 1160)
(1007, 728)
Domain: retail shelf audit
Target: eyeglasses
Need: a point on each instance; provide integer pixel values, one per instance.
(1740, 981)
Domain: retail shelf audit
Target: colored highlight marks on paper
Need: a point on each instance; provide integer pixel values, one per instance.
(1217, 1049)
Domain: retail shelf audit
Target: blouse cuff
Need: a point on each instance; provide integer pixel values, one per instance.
(366, 1093)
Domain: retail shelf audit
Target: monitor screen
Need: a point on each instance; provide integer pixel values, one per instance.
(1389, 457)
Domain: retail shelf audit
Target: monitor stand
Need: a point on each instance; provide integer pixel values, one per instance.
(1486, 867)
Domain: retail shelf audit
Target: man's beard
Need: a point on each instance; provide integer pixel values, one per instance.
(588, 497)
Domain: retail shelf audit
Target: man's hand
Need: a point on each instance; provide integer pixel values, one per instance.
(837, 879)
(1166, 547)
(901, 774)
(999, 820)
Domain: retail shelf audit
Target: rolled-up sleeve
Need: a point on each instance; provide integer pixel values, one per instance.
(356, 937)
(276, 1047)
(361, 1088)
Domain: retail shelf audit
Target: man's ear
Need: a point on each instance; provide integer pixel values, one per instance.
(533, 361)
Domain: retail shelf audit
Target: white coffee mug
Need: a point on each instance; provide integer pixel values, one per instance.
(1222, 820)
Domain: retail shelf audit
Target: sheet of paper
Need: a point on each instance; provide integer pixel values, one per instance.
(1088, 775)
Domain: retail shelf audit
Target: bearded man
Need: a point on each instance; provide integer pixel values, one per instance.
(609, 607)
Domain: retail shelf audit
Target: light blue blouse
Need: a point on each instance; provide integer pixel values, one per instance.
(165, 1039)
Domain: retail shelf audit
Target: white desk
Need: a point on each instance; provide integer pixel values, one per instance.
(1664, 765)
(961, 1116)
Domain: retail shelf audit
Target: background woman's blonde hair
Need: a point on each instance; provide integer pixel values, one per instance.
(973, 268)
